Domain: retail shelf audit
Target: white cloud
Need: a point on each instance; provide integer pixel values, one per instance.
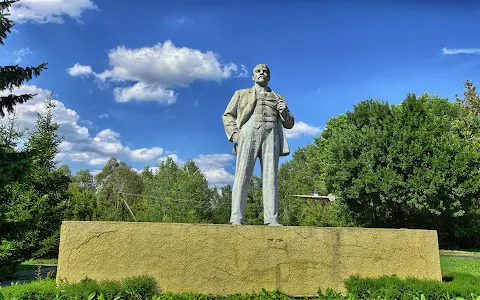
(146, 153)
(173, 156)
(87, 123)
(461, 51)
(49, 11)
(143, 92)
(302, 128)
(155, 71)
(80, 70)
(219, 177)
(213, 167)
(20, 53)
(213, 161)
(152, 169)
(104, 116)
(78, 144)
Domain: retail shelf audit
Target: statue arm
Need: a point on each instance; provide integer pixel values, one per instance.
(287, 118)
(229, 117)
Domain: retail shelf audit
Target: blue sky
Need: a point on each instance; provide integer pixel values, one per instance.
(144, 81)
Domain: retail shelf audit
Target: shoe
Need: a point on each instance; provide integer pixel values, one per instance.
(236, 224)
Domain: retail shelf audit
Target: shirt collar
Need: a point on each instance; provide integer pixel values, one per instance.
(260, 89)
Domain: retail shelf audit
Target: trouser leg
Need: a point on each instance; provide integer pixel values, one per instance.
(246, 155)
(269, 162)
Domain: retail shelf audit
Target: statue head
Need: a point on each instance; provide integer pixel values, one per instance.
(261, 75)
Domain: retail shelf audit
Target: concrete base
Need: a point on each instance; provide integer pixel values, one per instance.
(225, 259)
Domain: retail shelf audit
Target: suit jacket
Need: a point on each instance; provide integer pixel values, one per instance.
(240, 109)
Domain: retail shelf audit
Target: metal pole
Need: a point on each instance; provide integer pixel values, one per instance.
(128, 207)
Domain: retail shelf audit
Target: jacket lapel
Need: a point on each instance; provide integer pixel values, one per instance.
(251, 97)
(246, 108)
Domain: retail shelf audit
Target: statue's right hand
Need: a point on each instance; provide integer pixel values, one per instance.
(235, 138)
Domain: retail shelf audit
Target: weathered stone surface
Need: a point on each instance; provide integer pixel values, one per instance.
(223, 259)
(254, 121)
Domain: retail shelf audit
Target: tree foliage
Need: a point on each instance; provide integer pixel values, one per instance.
(178, 194)
(304, 175)
(471, 99)
(407, 165)
(31, 210)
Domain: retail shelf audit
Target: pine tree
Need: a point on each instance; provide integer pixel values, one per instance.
(44, 141)
(49, 183)
(13, 76)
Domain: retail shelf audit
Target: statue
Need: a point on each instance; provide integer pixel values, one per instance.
(254, 121)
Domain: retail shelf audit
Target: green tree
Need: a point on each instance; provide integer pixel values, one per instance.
(65, 170)
(83, 178)
(254, 205)
(119, 188)
(147, 178)
(49, 183)
(222, 205)
(82, 205)
(407, 165)
(471, 98)
(31, 210)
(304, 175)
(179, 194)
(299, 176)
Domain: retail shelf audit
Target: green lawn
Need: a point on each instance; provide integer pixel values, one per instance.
(471, 250)
(460, 265)
(32, 264)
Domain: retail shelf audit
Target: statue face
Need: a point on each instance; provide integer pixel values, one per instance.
(261, 75)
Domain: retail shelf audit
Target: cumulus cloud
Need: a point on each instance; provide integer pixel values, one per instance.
(302, 128)
(213, 167)
(49, 11)
(461, 51)
(78, 144)
(219, 177)
(104, 116)
(87, 123)
(79, 70)
(156, 71)
(144, 92)
(146, 153)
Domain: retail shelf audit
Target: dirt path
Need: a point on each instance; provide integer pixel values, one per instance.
(462, 254)
(29, 275)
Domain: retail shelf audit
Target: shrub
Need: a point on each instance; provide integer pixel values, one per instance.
(36, 290)
(392, 287)
(134, 288)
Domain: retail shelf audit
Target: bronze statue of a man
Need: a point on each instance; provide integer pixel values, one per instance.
(254, 121)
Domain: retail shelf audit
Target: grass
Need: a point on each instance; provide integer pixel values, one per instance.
(471, 250)
(32, 264)
(460, 265)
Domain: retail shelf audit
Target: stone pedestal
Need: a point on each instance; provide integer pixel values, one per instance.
(224, 259)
